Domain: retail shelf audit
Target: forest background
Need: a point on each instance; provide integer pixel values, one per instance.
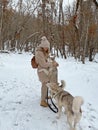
(71, 29)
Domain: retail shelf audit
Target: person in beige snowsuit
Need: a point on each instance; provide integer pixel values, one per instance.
(41, 56)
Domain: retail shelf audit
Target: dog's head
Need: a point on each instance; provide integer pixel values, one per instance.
(55, 87)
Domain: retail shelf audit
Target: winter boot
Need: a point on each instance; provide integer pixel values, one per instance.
(43, 103)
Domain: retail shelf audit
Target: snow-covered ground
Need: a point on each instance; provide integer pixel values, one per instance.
(20, 94)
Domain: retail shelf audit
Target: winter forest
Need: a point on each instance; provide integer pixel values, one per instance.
(71, 29)
(71, 26)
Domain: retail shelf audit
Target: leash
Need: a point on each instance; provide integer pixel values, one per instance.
(52, 106)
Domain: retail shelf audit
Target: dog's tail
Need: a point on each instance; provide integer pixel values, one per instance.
(77, 102)
(63, 84)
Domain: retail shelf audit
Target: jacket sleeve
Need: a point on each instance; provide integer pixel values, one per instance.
(40, 58)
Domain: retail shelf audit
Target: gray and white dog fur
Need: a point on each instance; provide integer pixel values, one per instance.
(72, 105)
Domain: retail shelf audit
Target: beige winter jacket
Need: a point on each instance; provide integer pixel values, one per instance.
(43, 65)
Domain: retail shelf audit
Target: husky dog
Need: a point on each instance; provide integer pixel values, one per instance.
(71, 104)
(53, 71)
